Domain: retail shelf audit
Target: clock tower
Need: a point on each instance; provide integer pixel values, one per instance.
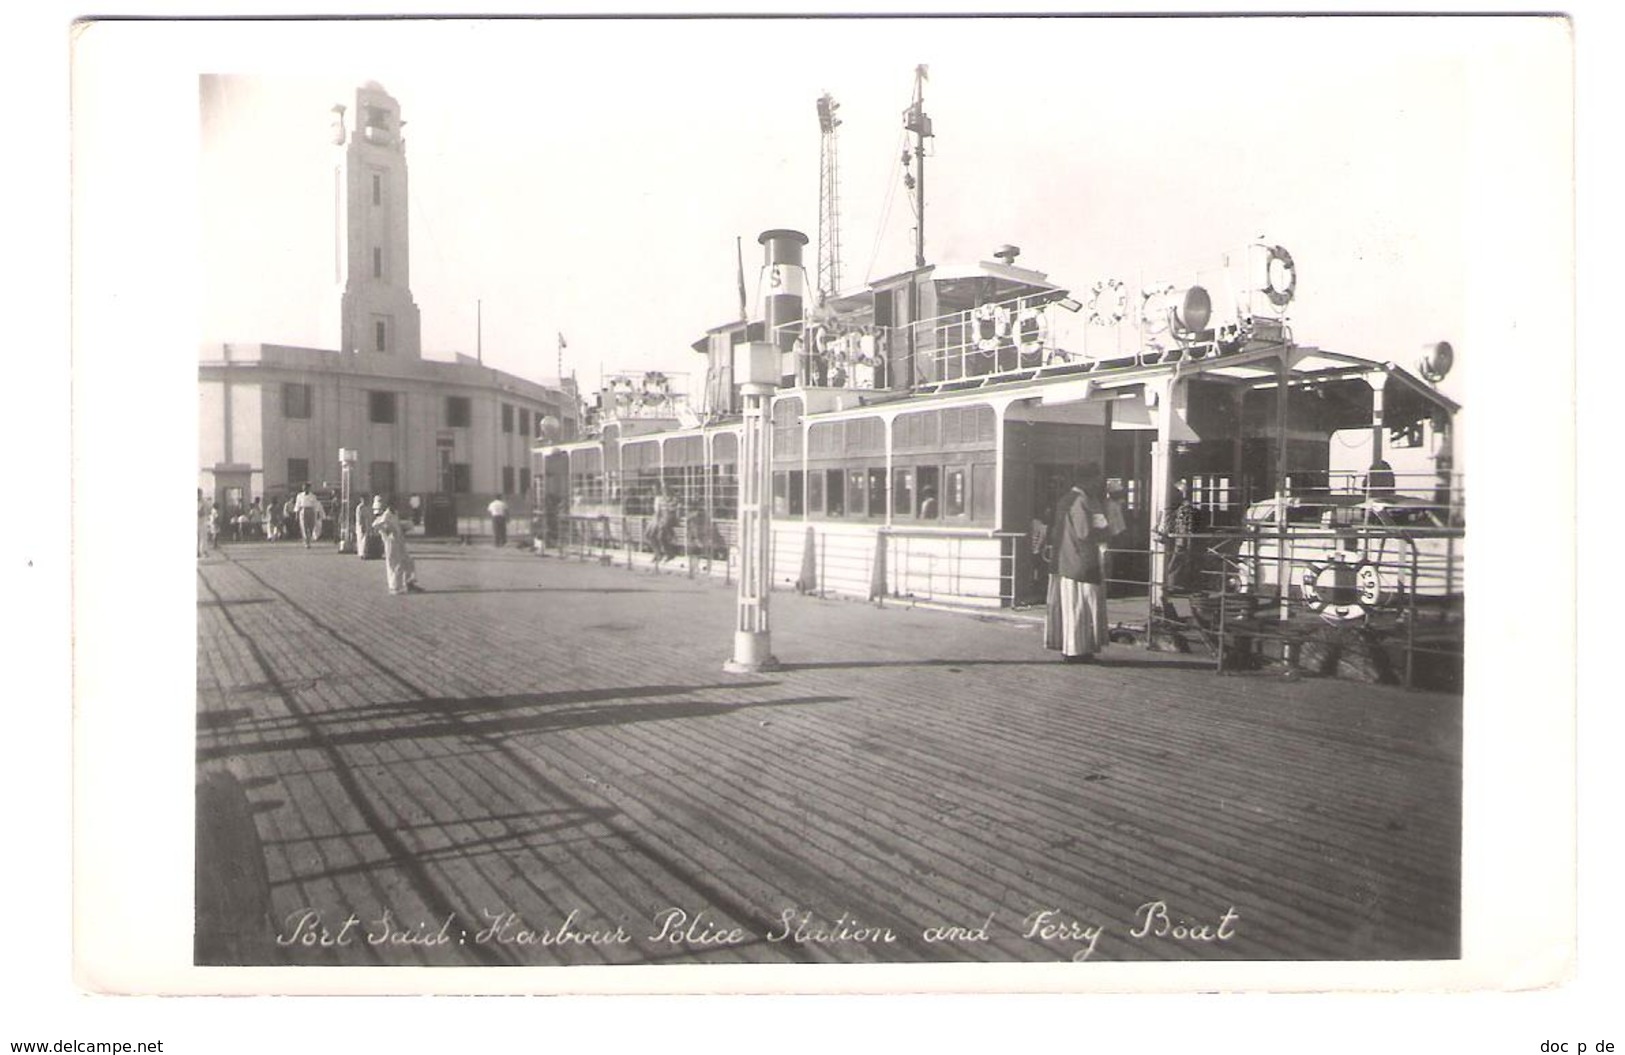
(376, 315)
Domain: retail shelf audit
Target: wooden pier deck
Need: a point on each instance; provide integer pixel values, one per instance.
(540, 762)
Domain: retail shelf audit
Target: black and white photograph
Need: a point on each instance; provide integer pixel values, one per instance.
(858, 504)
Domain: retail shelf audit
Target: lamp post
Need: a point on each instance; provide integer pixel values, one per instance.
(348, 456)
(756, 369)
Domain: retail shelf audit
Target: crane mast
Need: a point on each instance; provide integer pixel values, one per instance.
(829, 201)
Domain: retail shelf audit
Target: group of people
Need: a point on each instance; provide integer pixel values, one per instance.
(1077, 542)
(377, 526)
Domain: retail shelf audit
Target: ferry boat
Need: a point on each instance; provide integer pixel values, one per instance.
(923, 427)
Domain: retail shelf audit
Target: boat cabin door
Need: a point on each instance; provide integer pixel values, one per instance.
(1128, 473)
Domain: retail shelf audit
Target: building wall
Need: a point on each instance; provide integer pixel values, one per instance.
(264, 438)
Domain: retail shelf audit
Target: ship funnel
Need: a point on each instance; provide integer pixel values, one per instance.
(784, 285)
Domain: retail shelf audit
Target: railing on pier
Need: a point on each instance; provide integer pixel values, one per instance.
(1387, 598)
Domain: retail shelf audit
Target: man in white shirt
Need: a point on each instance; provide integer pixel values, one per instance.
(308, 509)
(499, 520)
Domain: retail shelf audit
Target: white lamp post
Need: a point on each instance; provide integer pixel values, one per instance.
(756, 370)
(348, 456)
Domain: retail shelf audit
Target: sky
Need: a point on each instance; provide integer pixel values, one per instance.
(590, 178)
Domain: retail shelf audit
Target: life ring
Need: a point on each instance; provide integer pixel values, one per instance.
(1031, 330)
(1343, 589)
(1156, 310)
(1108, 303)
(1280, 296)
(987, 328)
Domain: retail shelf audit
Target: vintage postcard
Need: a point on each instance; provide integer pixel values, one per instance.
(823, 504)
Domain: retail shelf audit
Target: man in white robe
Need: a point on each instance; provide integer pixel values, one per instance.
(399, 571)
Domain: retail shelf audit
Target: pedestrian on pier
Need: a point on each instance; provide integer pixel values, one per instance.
(1174, 532)
(204, 509)
(1075, 616)
(664, 528)
(499, 521)
(309, 510)
(400, 573)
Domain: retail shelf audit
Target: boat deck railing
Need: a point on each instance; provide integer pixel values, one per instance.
(1388, 601)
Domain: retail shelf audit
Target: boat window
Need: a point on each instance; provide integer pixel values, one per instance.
(856, 492)
(953, 495)
(877, 492)
(797, 481)
(983, 490)
(835, 492)
(815, 492)
(929, 477)
(725, 492)
(781, 501)
(902, 492)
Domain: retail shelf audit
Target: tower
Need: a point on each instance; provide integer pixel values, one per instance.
(829, 201)
(375, 312)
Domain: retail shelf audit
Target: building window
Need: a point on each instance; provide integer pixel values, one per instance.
(295, 400)
(380, 335)
(377, 262)
(507, 479)
(507, 417)
(524, 480)
(381, 408)
(298, 472)
(381, 477)
(524, 422)
(459, 412)
(462, 478)
(377, 189)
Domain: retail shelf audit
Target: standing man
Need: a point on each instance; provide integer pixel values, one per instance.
(203, 510)
(1116, 524)
(1178, 522)
(665, 525)
(306, 507)
(499, 520)
(1075, 616)
(400, 571)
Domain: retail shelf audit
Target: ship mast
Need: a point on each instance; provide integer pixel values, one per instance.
(916, 121)
(829, 201)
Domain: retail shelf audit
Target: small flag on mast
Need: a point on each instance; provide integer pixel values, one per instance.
(739, 256)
